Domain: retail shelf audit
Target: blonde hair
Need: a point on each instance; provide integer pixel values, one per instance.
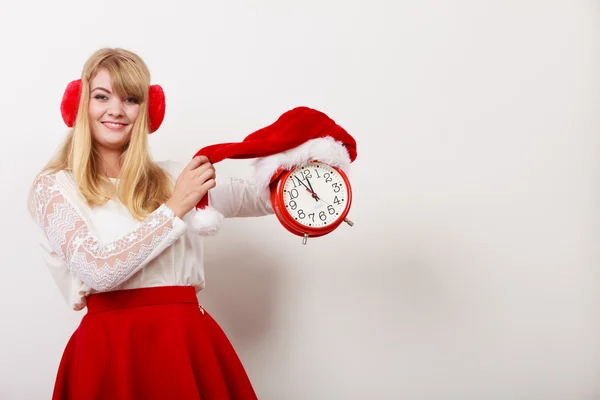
(143, 185)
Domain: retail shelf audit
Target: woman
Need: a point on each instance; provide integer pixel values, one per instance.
(114, 234)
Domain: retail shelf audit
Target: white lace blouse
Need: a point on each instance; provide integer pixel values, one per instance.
(103, 248)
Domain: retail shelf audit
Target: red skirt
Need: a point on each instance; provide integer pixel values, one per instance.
(150, 343)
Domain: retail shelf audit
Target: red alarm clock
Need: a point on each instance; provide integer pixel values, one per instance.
(312, 199)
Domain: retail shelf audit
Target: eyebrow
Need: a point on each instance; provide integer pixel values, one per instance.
(101, 88)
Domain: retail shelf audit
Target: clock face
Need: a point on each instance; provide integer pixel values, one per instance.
(315, 195)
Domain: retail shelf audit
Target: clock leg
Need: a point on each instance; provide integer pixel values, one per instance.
(346, 220)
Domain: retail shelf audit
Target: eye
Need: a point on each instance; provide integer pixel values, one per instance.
(100, 97)
(132, 100)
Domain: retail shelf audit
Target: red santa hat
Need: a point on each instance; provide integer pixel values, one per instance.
(298, 136)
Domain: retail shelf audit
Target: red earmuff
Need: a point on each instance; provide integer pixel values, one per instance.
(70, 103)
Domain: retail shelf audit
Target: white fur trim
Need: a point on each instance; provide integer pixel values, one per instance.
(206, 221)
(326, 150)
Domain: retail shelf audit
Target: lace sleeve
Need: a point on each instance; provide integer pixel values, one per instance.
(102, 266)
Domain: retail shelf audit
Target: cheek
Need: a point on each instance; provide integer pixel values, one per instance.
(95, 110)
(132, 113)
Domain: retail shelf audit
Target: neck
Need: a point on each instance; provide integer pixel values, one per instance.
(111, 161)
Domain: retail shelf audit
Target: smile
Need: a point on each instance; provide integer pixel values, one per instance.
(114, 125)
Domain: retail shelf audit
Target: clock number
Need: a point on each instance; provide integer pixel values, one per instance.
(293, 205)
(306, 174)
(317, 172)
(294, 181)
(294, 193)
(336, 187)
(337, 201)
(331, 209)
(322, 216)
(312, 216)
(327, 177)
(301, 214)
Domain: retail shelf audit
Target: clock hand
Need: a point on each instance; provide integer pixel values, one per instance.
(323, 201)
(312, 190)
(314, 195)
(302, 183)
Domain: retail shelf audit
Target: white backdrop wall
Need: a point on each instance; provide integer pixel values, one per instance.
(472, 270)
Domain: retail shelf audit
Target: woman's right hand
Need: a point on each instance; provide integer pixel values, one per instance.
(194, 182)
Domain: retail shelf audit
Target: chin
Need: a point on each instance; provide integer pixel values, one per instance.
(113, 139)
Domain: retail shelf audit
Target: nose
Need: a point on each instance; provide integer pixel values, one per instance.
(115, 108)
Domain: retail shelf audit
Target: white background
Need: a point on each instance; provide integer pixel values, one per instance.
(472, 270)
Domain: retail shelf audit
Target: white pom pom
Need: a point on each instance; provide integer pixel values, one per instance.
(206, 221)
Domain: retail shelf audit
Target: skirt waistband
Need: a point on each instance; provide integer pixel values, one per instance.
(105, 301)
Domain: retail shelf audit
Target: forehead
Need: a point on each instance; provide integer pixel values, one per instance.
(102, 79)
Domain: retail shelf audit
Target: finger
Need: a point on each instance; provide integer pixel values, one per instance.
(208, 174)
(203, 168)
(203, 159)
(193, 164)
(209, 184)
(197, 161)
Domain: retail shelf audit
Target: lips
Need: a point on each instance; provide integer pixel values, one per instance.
(115, 126)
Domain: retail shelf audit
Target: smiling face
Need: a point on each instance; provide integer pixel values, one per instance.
(111, 115)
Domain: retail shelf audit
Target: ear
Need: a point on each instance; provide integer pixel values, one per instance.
(156, 107)
(70, 102)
